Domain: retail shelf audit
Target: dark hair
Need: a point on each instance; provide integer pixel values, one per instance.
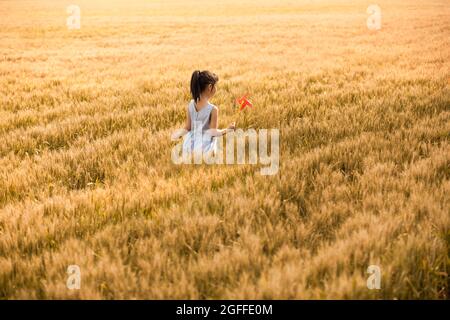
(200, 80)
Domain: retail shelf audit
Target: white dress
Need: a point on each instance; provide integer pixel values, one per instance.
(198, 139)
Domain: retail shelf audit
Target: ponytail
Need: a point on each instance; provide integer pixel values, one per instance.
(199, 81)
(195, 85)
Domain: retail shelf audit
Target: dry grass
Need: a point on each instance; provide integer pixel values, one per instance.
(86, 176)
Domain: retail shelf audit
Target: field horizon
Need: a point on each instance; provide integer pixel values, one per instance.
(86, 176)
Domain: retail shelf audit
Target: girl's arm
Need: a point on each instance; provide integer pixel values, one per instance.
(213, 124)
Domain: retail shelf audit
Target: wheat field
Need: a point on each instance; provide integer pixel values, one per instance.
(86, 176)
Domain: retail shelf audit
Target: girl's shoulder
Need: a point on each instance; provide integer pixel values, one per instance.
(213, 106)
(191, 105)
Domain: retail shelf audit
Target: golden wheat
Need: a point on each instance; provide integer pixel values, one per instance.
(86, 176)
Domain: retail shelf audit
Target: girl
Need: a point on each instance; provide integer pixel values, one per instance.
(202, 116)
